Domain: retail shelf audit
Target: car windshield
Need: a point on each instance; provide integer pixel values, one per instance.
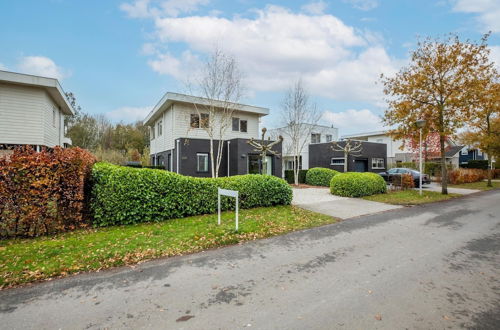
(415, 172)
(392, 170)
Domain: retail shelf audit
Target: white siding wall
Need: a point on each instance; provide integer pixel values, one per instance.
(21, 115)
(177, 124)
(52, 128)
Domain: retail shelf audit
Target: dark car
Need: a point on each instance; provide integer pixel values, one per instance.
(396, 172)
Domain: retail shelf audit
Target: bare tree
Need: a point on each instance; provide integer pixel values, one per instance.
(264, 148)
(299, 117)
(350, 147)
(221, 85)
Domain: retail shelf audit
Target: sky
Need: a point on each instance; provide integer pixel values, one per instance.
(120, 56)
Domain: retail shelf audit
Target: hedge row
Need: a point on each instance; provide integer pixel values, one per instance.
(320, 176)
(43, 192)
(353, 184)
(290, 179)
(125, 195)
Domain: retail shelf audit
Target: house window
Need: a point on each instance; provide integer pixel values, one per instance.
(243, 126)
(337, 161)
(152, 133)
(465, 152)
(315, 138)
(197, 123)
(479, 152)
(328, 138)
(202, 162)
(160, 127)
(204, 120)
(378, 163)
(236, 124)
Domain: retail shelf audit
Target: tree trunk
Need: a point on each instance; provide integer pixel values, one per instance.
(490, 169)
(346, 161)
(295, 170)
(444, 169)
(212, 168)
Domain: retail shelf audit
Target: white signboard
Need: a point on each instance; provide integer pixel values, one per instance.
(230, 193)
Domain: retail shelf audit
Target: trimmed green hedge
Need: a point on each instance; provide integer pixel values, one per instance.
(126, 195)
(290, 179)
(353, 184)
(320, 176)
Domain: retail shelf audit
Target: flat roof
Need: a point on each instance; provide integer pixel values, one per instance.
(374, 133)
(51, 85)
(169, 98)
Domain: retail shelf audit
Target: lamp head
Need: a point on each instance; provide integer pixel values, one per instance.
(420, 123)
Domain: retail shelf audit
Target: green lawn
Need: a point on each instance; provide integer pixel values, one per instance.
(482, 185)
(409, 197)
(27, 260)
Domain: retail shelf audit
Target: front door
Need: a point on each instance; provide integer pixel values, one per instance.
(254, 164)
(361, 165)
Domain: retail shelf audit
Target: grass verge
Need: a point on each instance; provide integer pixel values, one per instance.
(482, 185)
(409, 197)
(28, 260)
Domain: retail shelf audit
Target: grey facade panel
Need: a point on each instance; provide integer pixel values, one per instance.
(320, 155)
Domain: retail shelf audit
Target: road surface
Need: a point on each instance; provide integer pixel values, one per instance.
(427, 267)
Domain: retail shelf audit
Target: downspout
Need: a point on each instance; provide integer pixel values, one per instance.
(177, 147)
(228, 143)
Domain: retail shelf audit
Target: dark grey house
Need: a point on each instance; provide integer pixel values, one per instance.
(372, 158)
(180, 142)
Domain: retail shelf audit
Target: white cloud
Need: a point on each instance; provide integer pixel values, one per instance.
(495, 56)
(315, 8)
(354, 121)
(488, 12)
(363, 4)
(148, 8)
(2, 67)
(129, 114)
(41, 66)
(275, 47)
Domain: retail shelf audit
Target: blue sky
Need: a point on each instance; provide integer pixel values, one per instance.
(120, 57)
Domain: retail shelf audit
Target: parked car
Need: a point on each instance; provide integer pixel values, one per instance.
(390, 174)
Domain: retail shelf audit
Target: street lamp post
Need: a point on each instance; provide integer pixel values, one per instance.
(420, 124)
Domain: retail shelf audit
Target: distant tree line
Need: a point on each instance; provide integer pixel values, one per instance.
(115, 143)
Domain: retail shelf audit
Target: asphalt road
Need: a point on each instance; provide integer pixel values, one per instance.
(426, 267)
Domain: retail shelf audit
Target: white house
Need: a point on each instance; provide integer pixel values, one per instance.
(180, 143)
(32, 111)
(318, 134)
(396, 152)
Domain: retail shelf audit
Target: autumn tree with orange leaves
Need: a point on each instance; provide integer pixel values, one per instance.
(440, 85)
(484, 128)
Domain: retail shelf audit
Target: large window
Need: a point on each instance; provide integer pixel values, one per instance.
(197, 123)
(202, 162)
(239, 125)
(328, 138)
(378, 163)
(337, 161)
(315, 138)
(160, 127)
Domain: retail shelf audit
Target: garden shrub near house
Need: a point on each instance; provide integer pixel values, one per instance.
(125, 195)
(466, 175)
(43, 192)
(353, 184)
(290, 179)
(320, 176)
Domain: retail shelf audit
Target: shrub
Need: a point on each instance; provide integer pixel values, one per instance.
(290, 179)
(402, 182)
(320, 176)
(125, 195)
(43, 192)
(353, 184)
(466, 175)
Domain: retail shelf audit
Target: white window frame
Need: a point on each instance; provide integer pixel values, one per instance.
(198, 155)
(375, 163)
(318, 135)
(479, 152)
(464, 151)
(337, 158)
(160, 127)
(329, 138)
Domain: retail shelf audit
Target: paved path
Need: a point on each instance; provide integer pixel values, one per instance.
(425, 267)
(320, 200)
(437, 187)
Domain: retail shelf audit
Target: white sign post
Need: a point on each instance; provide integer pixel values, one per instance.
(230, 193)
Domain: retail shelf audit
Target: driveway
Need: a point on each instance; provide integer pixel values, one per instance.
(320, 200)
(427, 267)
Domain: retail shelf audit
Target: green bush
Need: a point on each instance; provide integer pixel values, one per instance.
(289, 176)
(479, 164)
(126, 195)
(353, 184)
(320, 176)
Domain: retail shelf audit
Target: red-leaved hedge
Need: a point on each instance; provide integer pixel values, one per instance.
(44, 192)
(466, 175)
